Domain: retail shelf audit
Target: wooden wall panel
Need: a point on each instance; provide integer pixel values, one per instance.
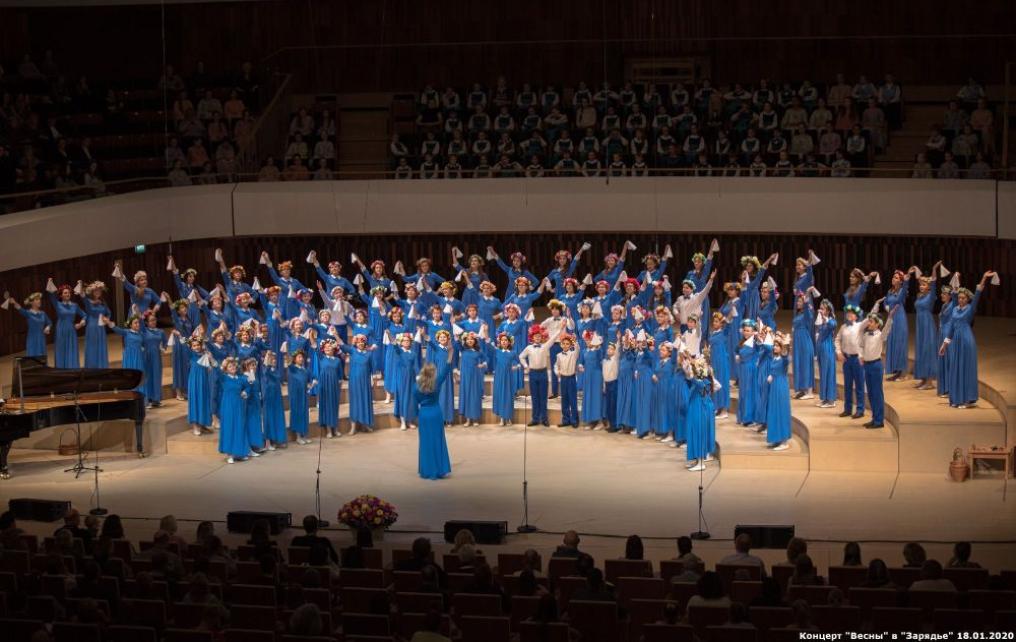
(839, 254)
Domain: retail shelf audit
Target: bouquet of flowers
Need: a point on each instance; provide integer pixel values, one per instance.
(367, 511)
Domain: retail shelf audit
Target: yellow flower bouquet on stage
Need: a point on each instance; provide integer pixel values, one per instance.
(368, 511)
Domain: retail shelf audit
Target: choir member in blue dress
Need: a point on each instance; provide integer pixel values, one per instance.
(333, 277)
(377, 308)
(289, 285)
(142, 297)
(872, 341)
(631, 297)
(96, 350)
(328, 388)
(700, 416)
(515, 270)
(624, 419)
(186, 284)
(473, 274)
(305, 303)
(242, 310)
(524, 296)
(960, 343)
(565, 268)
(179, 336)
(298, 339)
(894, 302)
(858, 287)
(407, 365)
(472, 366)
(133, 346)
(451, 307)
(566, 369)
(664, 404)
(848, 348)
(825, 350)
(434, 462)
(440, 344)
(535, 360)
(375, 276)
(361, 401)
(702, 267)
(764, 347)
(573, 294)
(657, 294)
(517, 328)
(769, 297)
(424, 274)
(590, 366)
(642, 391)
(300, 383)
(220, 347)
(216, 312)
(804, 346)
(778, 407)
(747, 365)
(804, 267)
(608, 294)
(154, 345)
(663, 331)
(926, 339)
(752, 277)
(65, 343)
(233, 277)
(719, 359)
(610, 366)
(394, 326)
(199, 384)
(232, 434)
(504, 387)
(340, 310)
(274, 410)
(613, 264)
(690, 301)
(948, 297)
(244, 347)
(731, 311)
(38, 322)
(252, 408)
(654, 267)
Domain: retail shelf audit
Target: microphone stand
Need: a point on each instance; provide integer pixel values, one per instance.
(525, 526)
(98, 510)
(324, 523)
(700, 533)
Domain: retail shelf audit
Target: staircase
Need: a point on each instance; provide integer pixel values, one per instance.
(363, 136)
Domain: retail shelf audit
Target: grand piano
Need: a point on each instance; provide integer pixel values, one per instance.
(44, 397)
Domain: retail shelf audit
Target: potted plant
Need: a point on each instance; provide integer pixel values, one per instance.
(368, 511)
(959, 469)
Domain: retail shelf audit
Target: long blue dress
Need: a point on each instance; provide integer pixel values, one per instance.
(37, 322)
(765, 351)
(826, 350)
(329, 387)
(471, 370)
(434, 462)
(897, 344)
(407, 365)
(184, 290)
(133, 352)
(804, 349)
(664, 411)
(752, 301)
(963, 354)
(199, 388)
(181, 356)
(778, 408)
(855, 297)
(944, 323)
(274, 410)
(299, 403)
(592, 384)
(700, 419)
(767, 310)
(142, 299)
(361, 401)
(377, 318)
(747, 375)
(732, 333)
(720, 361)
(926, 339)
(517, 329)
(96, 351)
(643, 393)
(682, 390)
(391, 379)
(506, 362)
(218, 352)
(154, 341)
(232, 431)
(65, 343)
(625, 390)
(437, 355)
(252, 418)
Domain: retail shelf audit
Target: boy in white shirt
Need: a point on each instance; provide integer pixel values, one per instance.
(535, 359)
(847, 349)
(871, 344)
(565, 368)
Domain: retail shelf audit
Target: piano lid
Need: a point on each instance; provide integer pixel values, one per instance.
(38, 379)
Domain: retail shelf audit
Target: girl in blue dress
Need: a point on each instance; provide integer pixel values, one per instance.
(407, 366)
(752, 277)
(378, 314)
(825, 349)
(506, 363)
(472, 322)
(700, 417)
(655, 268)
(642, 388)
(896, 351)
(183, 328)
(524, 296)
(154, 344)
(516, 269)
(216, 314)
(299, 384)
(285, 280)
(143, 298)
(333, 277)
(361, 401)
(719, 358)
(804, 347)
(434, 461)
(199, 385)
(731, 311)
(96, 350)
(274, 410)
(926, 340)
(220, 348)
(437, 349)
(858, 287)
(769, 297)
(394, 326)
(252, 408)
(65, 343)
(805, 270)
(188, 290)
(474, 274)
(133, 346)
(591, 367)
(613, 264)
(764, 347)
(472, 366)
(269, 298)
(233, 440)
(565, 268)
(328, 388)
(960, 343)
(514, 325)
(948, 298)
(488, 307)
(625, 418)
(664, 410)
(747, 375)
(375, 276)
(242, 311)
(778, 407)
(38, 324)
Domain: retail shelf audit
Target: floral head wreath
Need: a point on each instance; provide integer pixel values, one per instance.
(632, 282)
(521, 279)
(94, 286)
(229, 360)
(448, 285)
(604, 283)
(477, 258)
(442, 331)
(925, 280)
(572, 282)
(423, 259)
(689, 283)
(334, 264)
(693, 317)
(749, 323)
(292, 323)
(297, 353)
(801, 261)
(899, 273)
(784, 339)
(662, 309)
(189, 272)
(697, 257)
(64, 287)
(652, 256)
(131, 319)
(611, 257)
(487, 285)
(377, 262)
(304, 291)
(324, 312)
(238, 271)
(337, 291)
(827, 304)
(946, 289)
(587, 303)
(700, 367)
(273, 290)
(718, 316)
(965, 292)
(220, 332)
(850, 307)
(402, 336)
(566, 337)
(513, 306)
(509, 336)
(328, 343)
(181, 303)
(195, 341)
(248, 362)
(555, 304)
(876, 318)
(565, 254)
(34, 296)
(732, 285)
(619, 308)
(245, 329)
(358, 337)
(378, 289)
(243, 297)
(466, 335)
(518, 255)
(536, 331)
(140, 274)
(285, 265)
(269, 355)
(745, 260)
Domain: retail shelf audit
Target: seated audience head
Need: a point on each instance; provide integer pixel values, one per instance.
(710, 586)
(532, 560)
(310, 524)
(168, 524)
(571, 539)
(796, 546)
(72, 517)
(742, 543)
(878, 573)
(961, 552)
(931, 570)
(204, 531)
(913, 555)
(683, 545)
(421, 548)
(851, 554)
(113, 527)
(633, 549)
(462, 538)
(306, 620)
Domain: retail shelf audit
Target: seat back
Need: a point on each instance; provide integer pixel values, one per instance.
(539, 632)
(187, 635)
(510, 563)
(364, 624)
(474, 604)
(896, 619)
(523, 607)
(359, 600)
(728, 572)
(967, 579)
(362, 577)
(836, 619)
(667, 633)
(17, 562)
(596, 621)
(991, 601)
(411, 602)
(566, 585)
(186, 615)
(561, 566)
(451, 563)
(458, 581)
(76, 632)
(782, 573)
(770, 617)
(930, 600)
(868, 598)
(641, 613)
(745, 592)
(947, 620)
(407, 581)
(904, 576)
(249, 635)
(253, 594)
(847, 577)
(640, 588)
(125, 633)
(146, 612)
(670, 568)
(728, 633)
(614, 569)
(255, 618)
(478, 628)
(701, 616)
(410, 623)
(810, 594)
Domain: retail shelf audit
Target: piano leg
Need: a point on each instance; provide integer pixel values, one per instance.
(5, 449)
(138, 440)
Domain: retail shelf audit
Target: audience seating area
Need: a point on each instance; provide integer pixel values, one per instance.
(176, 592)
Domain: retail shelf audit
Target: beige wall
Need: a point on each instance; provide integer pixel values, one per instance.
(722, 205)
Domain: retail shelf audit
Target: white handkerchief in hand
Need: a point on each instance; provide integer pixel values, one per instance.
(585, 246)
(79, 289)
(457, 253)
(206, 360)
(491, 255)
(878, 279)
(311, 256)
(358, 279)
(412, 311)
(6, 302)
(668, 253)
(588, 280)
(170, 264)
(460, 276)
(942, 271)
(776, 258)
(218, 255)
(398, 269)
(714, 246)
(193, 296)
(918, 272)
(292, 292)
(813, 258)
(172, 339)
(165, 297)
(264, 258)
(284, 347)
(631, 247)
(117, 272)
(448, 309)
(355, 259)
(995, 280)
(457, 330)
(814, 292)
(597, 310)
(50, 286)
(772, 283)
(530, 317)
(385, 340)
(256, 286)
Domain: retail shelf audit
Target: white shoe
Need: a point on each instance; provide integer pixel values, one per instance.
(667, 439)
(827, 404)
(723, 415)
(352, 429)
(465, 424)
(330, 435)
(253, 453)
(180, 397)
(196, 431)
(783, 446)
(697, 467)
(403, 426)
(269, 447)
(807, 395)
(230, 460)
(709, 457)
(302, 441)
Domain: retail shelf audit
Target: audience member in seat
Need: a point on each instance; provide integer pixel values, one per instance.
(633, 549)
(352, 556)
(913, 555)
(802, 617)
(204, 531)
(547, 613)
(595, 590)
(852, 554)
(710, 592)
(483, 583)
(931, 578)
(261, 540)
(691, 572)
(90, 586)
(113, 527)
(805, 573)
(216, 552)
(961, 556)
(311, 539)
(431, 631)
(172, 564)
(771, 595)
(836, 598)
(671, 614)
(528, 586)
(569, 546)
(684, 553)
(796, 546)
(743, 556)
(305, 620)
(72, 523)
(739, 617)
(169, 525)
(467, 559)
(421, 559)
(878, 575)
(532, 562)
(464, 538)
(199, 591)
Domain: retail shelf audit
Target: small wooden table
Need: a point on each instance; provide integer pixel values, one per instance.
(1003, 455)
